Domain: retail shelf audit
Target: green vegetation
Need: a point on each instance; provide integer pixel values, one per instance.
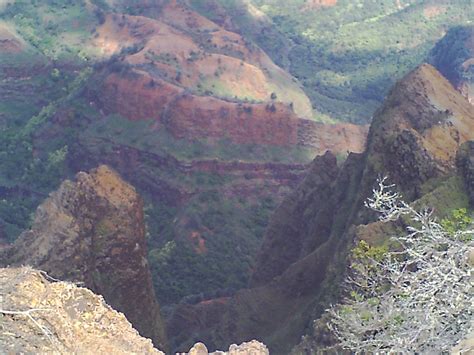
(459, 220)
(230, 227)
(47, 27)
(349, 55)
(141, 135)
(29, 166)
(230, 230)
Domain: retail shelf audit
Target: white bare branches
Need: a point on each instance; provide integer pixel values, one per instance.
(28, 314)
(417, 299)
(386, 202)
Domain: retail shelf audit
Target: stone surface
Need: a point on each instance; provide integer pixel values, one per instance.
(66, 319)
(247, 348)
(92, 231)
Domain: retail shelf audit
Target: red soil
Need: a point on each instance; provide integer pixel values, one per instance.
(137, 96)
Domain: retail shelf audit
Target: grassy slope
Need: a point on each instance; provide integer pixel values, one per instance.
(349, 55)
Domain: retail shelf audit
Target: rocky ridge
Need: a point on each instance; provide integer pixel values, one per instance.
(414, 139)
(190, 116)
(92, 231)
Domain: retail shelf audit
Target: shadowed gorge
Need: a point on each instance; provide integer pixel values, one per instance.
(203, 165)
(200, 120)
(301, 261)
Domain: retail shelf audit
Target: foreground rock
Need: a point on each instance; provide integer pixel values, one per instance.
(92, 231)
(67, 319)
(250, 348)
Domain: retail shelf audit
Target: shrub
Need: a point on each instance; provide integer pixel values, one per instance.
(415, 299)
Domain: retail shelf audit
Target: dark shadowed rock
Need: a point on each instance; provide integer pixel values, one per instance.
(453, 56)
(291, 234)
(465, 162)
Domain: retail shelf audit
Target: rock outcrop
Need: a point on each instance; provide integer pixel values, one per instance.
(291, 222)
(92, 231)
(39, 315)
(248, 348)
(416, 133)
(413, 139)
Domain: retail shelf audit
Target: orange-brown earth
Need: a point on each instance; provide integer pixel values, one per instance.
(137, 95)
(199, 80)
(192, 52)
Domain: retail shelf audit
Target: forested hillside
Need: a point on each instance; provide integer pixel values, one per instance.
(346, 53)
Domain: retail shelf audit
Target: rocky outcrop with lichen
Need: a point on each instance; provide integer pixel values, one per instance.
(92, 231)
(39, 315)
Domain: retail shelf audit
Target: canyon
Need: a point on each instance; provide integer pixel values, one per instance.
(302, 259)
(180, 173)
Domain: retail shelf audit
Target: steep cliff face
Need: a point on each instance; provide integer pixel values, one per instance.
(92, 231)
(416, 133)
(291, 279)
(292, 233)
(453, 56)
(414, 139)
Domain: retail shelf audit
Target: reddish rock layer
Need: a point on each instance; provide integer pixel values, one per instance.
(137, 96)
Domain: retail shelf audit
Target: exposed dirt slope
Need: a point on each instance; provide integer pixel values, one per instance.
(9, 42)
(137, 95)
(192, 52)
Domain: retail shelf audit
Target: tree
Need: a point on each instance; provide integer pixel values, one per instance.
(416, 298)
